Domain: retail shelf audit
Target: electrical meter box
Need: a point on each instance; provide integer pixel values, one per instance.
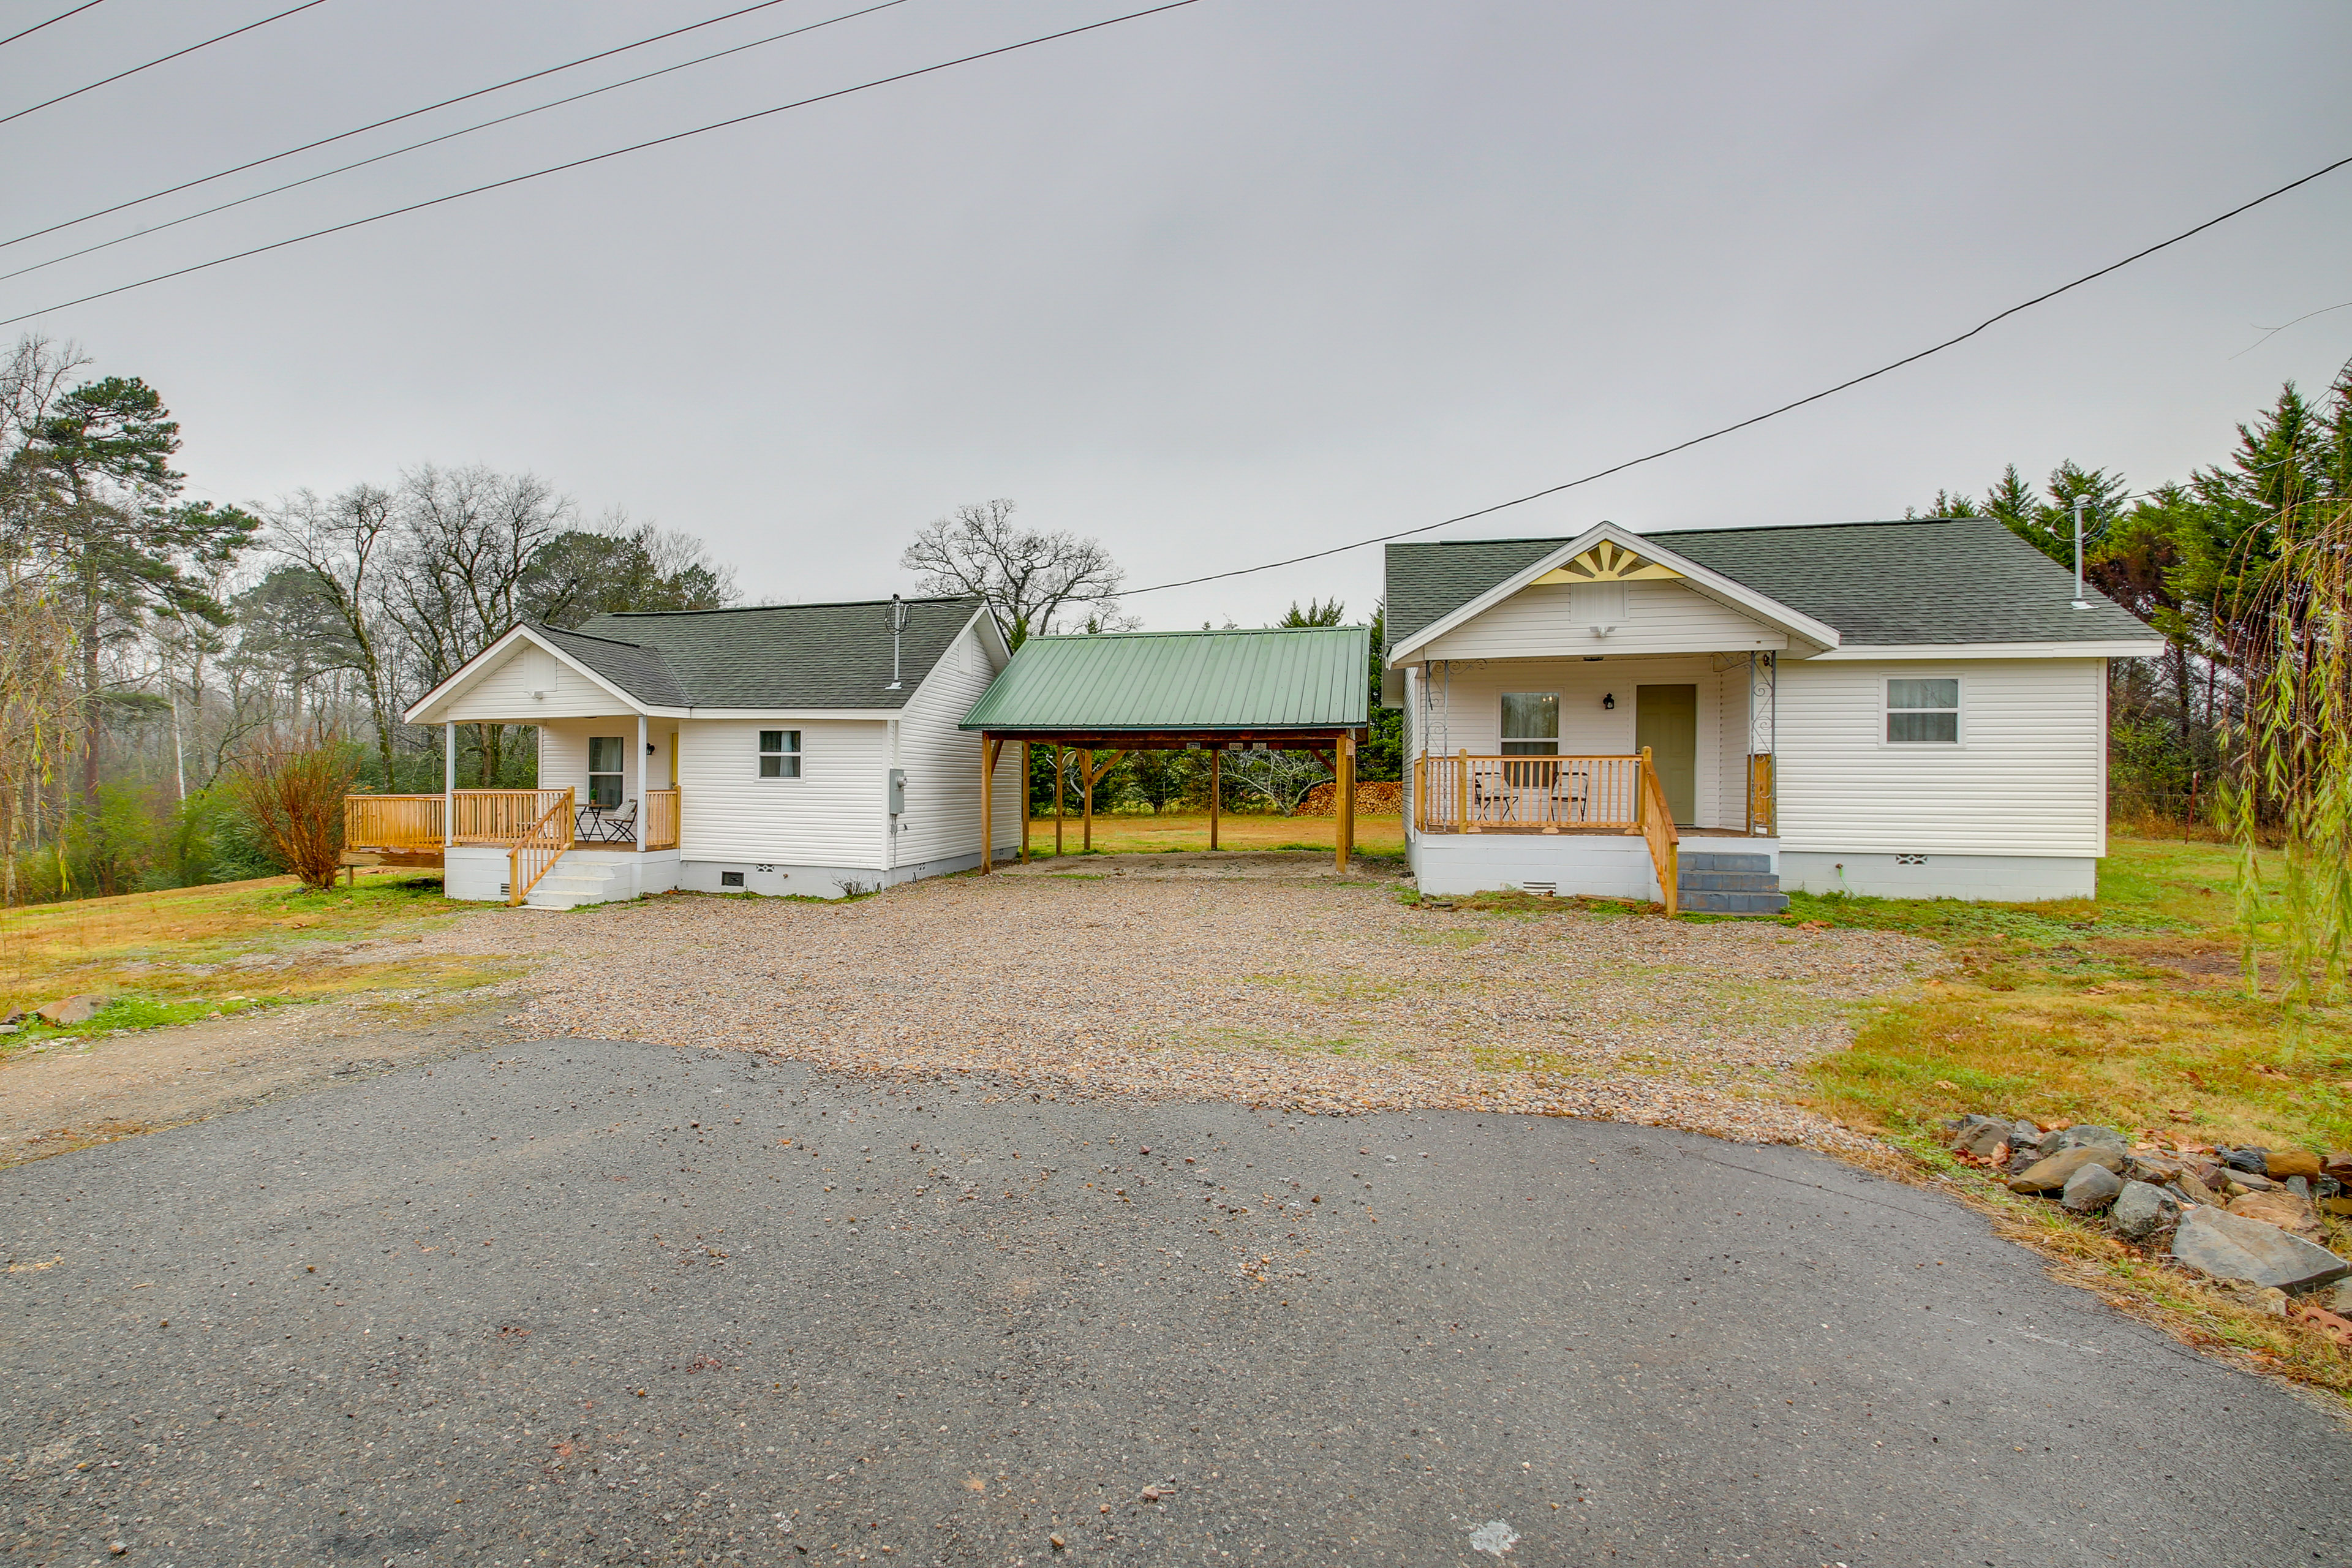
(897, 791)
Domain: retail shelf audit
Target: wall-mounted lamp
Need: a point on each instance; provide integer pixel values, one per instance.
(649, 748)
(1609, 701)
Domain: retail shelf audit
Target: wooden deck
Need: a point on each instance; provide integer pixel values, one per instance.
(534, 826)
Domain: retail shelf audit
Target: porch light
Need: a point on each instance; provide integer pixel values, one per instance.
(1609, 699)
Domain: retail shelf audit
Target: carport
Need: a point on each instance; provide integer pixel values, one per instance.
(1282, 688)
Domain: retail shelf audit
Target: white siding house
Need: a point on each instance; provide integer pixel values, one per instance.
(764, 749)
(1908, 709)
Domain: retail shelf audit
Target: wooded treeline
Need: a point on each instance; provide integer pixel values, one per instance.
(2199, 559)
(150, 646)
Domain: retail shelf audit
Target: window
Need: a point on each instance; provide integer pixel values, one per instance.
(1924, 711)
(607, 755)
(1531, 724)
(779, 753)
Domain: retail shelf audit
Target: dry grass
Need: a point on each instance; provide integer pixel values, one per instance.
(185, 953)
(1126, 835)
(2130, 1012)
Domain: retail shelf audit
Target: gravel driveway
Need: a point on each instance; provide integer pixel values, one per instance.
(1144, 976)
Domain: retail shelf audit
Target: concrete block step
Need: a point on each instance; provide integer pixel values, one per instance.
(1716, 860)
(1729, 881)
(1708, 903)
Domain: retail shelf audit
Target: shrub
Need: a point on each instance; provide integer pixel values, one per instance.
(294, 800)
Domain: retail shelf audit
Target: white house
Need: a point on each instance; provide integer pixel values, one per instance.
(1912, 709)
(789, 749)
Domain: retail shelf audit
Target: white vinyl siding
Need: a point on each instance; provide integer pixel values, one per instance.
(1465, 714)
(502, 693)
(2027, 778)
(563, 753)
(943, 762)
(833, 814)
(1659, 618)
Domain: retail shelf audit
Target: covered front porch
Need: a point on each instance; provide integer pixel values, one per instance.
(1646, 777)
(595, 828)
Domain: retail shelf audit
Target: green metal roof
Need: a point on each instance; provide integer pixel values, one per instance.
(1315, 677)
(1929, 580)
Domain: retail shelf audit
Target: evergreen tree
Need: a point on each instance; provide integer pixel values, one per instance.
(93, 484)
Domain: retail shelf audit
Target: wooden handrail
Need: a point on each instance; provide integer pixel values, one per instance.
(1658, 829)
(662, 818)
(538, 852)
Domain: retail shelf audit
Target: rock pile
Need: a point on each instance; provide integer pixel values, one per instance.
(2250, 1218)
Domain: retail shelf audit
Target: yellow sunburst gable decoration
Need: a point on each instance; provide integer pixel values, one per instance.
(1607, 563)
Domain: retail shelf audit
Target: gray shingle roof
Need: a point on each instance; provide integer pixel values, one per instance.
(1934, 579)
(767, 656)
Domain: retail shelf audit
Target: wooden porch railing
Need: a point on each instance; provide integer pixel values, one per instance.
(501, 816)
(1622, 794)
(392, 821)
(540, 847)
(661, 818)
(1463, 793)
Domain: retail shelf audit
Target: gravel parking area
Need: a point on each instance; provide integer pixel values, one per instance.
(1308, 993)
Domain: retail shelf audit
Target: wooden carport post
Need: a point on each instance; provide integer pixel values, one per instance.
(987, 803)
(1024, 802)
(1216, 757)
(1345, 788)
(1059, 753)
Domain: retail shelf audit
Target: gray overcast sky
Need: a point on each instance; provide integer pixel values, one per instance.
(1218, 286)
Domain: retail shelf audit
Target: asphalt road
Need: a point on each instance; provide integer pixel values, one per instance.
(584, 1302)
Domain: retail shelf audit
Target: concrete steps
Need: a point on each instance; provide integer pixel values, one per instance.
(1715, 883)
(572, 883)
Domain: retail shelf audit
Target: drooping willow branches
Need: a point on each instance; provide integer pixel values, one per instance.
(2293, 750)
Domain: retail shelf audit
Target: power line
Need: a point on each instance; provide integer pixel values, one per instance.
(160, 59)
(445, 136)
(1752, 419)
(601, 157)
(379, 124)
(60, 17)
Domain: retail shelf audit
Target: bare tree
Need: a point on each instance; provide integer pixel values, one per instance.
(1027, 578)
(468, 538)
(344, 542)
(37, 703)
(1281, 778)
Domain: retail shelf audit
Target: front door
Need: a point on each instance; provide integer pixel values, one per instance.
(1666, 720)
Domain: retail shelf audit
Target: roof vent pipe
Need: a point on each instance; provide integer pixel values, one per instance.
(2080, 502)
(898, 626)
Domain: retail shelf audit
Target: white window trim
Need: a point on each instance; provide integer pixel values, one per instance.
(1960, 713)
(593, 772)
(797, 751)
(1502, 740)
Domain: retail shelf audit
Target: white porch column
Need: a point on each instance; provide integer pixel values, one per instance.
(643, 805)
(448, 784)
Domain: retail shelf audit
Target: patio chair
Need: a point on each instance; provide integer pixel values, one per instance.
(606, 824)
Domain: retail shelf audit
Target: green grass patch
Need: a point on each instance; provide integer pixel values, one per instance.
(2126, 1011)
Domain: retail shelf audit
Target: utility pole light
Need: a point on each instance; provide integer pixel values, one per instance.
(2080, 603)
